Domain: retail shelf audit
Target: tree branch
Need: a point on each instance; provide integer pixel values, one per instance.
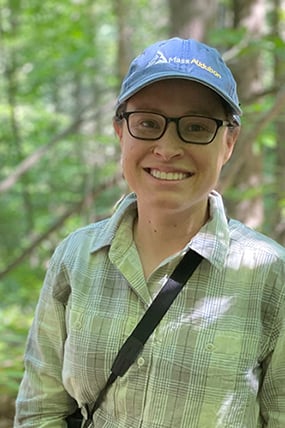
(31, 160)
(75, 208)
(232, 169)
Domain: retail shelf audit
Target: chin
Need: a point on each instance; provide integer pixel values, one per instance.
(167, 201)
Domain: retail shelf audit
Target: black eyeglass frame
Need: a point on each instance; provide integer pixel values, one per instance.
(219, 123)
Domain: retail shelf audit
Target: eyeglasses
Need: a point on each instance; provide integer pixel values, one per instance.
(192, 129)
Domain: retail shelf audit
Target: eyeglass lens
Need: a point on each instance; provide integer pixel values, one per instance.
(151, 126)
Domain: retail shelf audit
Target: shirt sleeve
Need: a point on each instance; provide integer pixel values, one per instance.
(42, 399)
(272, 392)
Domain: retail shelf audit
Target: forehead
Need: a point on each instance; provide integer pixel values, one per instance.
(178, 93)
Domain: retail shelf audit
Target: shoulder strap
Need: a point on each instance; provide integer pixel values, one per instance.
(135, 342)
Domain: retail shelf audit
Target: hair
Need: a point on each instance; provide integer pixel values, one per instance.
(231, 116)
(119, 110)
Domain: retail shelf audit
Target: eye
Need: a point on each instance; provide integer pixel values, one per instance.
(148, 123)
(197, 125)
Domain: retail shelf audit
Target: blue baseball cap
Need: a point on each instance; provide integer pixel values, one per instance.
(181, 59)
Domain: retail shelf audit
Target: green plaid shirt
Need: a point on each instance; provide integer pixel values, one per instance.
(216, 360)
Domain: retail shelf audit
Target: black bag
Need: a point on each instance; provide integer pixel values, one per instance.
(135, 342)
(74, 420)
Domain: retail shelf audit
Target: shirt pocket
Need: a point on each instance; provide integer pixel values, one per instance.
(99, 334)
(232, 362)
(92, 344)
(206, 358)
(94, 339)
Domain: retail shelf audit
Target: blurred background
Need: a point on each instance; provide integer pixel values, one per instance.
(61, 64)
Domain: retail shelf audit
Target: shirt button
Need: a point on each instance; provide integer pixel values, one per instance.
(140, 361)
(210, 347)
(77, 325)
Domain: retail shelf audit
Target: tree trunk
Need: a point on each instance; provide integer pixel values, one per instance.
(11, 86)
(192, 19)
(248, 204)
(277, 221)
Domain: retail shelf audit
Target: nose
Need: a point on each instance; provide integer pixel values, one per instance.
(169, 145)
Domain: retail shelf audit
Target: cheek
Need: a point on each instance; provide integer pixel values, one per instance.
(227, 154)
(209, 162)
(219, 153)
(129, 157)
(132, 151)
(126, 153)
(124, 161)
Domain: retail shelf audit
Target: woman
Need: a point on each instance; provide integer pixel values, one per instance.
(217, 357)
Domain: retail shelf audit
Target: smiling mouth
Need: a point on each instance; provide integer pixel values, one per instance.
(169, 176)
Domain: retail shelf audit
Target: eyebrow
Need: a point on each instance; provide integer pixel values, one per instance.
(162, 112)
(148, 108)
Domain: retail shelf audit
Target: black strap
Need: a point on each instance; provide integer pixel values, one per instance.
(135, 342)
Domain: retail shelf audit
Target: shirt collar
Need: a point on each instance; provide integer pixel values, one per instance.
(212, 241)
(106, 233)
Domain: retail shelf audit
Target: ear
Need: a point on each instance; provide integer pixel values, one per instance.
(231, 139)
(118, 128)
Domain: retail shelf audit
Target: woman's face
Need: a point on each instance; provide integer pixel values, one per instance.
(169, 173)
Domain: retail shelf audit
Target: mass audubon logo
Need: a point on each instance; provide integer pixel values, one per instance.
(160, 58)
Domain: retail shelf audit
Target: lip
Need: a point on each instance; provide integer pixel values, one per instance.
(169, 175)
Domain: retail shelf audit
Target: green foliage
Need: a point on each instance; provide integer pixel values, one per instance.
(225, 37)
(13, 330)
(18, 296)
(58, 81)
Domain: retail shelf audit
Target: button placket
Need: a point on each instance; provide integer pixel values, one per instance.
(140, 362)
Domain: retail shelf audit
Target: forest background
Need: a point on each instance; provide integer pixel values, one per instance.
(61, 64)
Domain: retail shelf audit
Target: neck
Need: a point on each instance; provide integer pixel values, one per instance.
(158, 236)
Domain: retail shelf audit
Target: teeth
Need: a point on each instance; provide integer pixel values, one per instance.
(171, 176)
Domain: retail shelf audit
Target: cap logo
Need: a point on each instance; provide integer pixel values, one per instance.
(158, 59)
(161, 59)
(205, 67)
